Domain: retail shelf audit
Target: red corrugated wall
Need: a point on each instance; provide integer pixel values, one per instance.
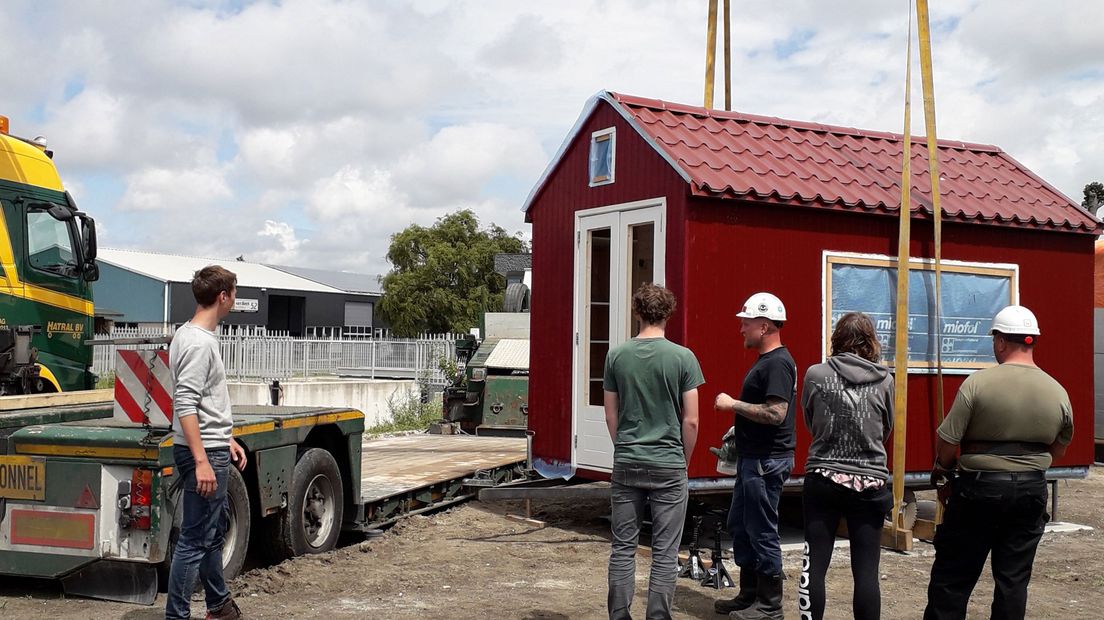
(640, 174)
(720, 251)
(735, 249)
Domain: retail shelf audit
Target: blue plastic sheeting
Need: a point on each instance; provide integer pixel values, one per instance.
(969, 303)
(553, 468)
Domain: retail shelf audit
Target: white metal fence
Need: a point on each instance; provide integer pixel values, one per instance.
(255, 354)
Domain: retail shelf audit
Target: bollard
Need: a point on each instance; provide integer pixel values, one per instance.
(274, 390)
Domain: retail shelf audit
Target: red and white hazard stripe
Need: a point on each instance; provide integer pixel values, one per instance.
(143, 388)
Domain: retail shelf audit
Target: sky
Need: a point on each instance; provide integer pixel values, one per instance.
(307, 132)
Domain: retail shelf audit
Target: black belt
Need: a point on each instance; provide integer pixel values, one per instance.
(1004, 448)
(1004, 476)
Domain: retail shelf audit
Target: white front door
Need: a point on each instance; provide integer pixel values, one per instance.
(615, 252)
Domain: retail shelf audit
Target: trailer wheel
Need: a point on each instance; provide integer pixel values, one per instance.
(236, 541)
(312, 521)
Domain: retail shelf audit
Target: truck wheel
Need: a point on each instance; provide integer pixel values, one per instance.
(236, 541)
(312, 521)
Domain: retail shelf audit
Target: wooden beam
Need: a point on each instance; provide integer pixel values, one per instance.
(55, 399)
(924, 529)
(898, 539)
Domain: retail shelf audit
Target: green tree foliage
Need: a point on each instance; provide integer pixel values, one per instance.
(1094, 196)
(442, 277)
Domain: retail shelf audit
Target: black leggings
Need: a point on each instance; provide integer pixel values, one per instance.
(825, 504)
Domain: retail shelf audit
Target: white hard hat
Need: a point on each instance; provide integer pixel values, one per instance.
(1016, 320)
(763, 305)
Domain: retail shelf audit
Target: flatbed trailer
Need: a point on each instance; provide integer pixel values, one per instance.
(94, 501)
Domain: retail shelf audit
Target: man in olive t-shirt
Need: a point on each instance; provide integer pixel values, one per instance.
(1010, 422)
(651, 405)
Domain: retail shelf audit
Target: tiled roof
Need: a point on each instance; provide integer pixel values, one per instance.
(731, 155)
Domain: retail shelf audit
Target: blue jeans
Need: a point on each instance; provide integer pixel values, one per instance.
(199, 547)
(753, 516)
(666, 493)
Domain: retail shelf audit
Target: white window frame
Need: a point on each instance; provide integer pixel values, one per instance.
(601, 136)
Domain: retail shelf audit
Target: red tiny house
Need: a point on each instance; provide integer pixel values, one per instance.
(750, 203)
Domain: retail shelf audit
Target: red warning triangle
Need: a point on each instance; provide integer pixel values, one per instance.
(87, 499)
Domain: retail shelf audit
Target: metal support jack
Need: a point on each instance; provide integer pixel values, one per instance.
(694, 568)
(717, 576)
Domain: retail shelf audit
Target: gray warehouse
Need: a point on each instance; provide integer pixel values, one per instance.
(148, 289)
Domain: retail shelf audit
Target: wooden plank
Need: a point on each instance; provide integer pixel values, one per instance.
(396, 465)
(901, 542)
(924, 529)
(57, 399)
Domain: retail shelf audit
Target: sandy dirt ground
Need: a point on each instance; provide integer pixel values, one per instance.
(473, 562)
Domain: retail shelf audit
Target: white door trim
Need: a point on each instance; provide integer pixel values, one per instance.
(618, 218)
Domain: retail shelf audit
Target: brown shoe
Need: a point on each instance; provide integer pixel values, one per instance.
(228, 611)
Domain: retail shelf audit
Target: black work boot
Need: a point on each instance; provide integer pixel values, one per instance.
(768, 601)
(744, 598)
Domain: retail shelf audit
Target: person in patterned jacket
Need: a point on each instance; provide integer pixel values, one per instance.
(848, 404)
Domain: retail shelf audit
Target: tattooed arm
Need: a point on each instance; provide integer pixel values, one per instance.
(772, 412)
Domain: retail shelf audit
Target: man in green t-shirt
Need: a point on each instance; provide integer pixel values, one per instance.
(651, 402)
(1009, 422)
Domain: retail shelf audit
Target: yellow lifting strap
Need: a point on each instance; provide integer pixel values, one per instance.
(933, 172)
(901, 341)
(900, 358)
(710, 53)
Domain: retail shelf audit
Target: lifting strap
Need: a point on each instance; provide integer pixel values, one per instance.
(900, 358)
(933, 172)
(901, 333)
(710, 53)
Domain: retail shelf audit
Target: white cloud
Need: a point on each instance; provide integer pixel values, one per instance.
(176, 191)
(458, 161)
(313, 130)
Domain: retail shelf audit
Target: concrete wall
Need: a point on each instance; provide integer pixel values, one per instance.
(367, 395)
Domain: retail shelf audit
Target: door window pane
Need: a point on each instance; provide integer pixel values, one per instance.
(641, 267)
(598, 308)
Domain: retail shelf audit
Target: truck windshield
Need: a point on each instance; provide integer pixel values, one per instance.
(50, 244)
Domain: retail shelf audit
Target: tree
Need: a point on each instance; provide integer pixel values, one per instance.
(442, 277)
(1094, 197)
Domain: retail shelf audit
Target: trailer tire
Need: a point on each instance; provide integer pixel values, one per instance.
(236, 539)
(316, 507)
(239, 520)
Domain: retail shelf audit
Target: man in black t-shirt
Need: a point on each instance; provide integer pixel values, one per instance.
(765, 443)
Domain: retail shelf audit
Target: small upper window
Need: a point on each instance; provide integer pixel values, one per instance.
(602, 148)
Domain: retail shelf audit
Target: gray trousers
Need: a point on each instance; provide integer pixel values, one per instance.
(665, 491)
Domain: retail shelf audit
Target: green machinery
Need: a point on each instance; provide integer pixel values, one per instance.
(492, 395)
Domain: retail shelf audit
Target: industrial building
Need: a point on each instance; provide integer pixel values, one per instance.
(146, 289)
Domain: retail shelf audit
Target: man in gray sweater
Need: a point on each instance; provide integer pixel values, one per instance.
(203, 448)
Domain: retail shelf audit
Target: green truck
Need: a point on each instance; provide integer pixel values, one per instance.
(47, 265)
(94, 500)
